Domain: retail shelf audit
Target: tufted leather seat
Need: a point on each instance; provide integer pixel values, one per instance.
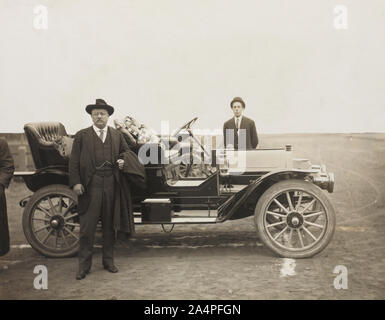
(41, 137)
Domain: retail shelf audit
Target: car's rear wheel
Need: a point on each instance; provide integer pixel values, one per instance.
(295, 219)
(51, 221)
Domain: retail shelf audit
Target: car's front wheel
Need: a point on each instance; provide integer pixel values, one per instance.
(295, 219)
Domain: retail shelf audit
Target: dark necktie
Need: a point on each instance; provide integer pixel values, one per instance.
(101, 135)
(237, 123)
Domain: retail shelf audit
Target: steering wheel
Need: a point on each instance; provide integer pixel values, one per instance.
(186, 126)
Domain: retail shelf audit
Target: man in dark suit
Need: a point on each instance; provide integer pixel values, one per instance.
(6, 173)
(94, 176)
(239, 132)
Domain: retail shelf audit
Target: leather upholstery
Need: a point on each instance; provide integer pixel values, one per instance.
(41, 137)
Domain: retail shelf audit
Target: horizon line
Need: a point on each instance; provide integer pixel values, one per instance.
(263, 133)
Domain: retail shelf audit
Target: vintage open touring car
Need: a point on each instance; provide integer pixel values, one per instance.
(293, 215)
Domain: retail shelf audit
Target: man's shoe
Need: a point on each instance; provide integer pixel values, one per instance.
(81, 274)
(111, 268)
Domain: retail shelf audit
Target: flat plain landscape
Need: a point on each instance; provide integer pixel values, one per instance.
(227, 261)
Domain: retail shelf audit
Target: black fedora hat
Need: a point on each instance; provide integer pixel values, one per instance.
(100, 104)
(238, 99)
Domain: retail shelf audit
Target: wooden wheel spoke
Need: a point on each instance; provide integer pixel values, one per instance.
(276, 214)
(57, 238)
(279, 234)
(39, 207)
(300, 237)
(307, 206)
(276, 224)
(281, 206)
(306, 216)
(47, 236)
(60, 203)
(71, 233)
(313, 224)
(41, 219)
(309, 233)
(51, 204)
(70, 206)
(64, 238)
(290, 237)
(289, 201)
(72, 224)
(299, 201)
(42, 228)
(71, 216)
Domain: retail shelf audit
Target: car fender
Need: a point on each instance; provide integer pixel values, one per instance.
(44, 176)
(242, 204)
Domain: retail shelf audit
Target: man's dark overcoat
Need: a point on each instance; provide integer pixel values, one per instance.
(251, 133)
(82, 168)
(6, 173)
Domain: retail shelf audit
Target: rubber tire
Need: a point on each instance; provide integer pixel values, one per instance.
(27, 228)
(302, 185)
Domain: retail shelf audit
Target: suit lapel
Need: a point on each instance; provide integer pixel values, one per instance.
(90, 144)
(115, 143)
(231, 123)
(244, 123)
(115, 148)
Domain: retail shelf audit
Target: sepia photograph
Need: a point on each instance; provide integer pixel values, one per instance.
(206, 151)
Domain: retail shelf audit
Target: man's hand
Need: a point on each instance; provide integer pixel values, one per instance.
(120, 163)
(78, 189)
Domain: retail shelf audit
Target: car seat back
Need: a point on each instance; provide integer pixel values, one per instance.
(41, 137)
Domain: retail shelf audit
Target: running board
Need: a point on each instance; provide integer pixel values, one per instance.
(180, 220)
(23, 173)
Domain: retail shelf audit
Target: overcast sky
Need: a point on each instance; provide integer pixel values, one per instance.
(177, 59)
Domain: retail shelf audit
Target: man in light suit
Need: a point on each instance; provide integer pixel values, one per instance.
(232, 129)
(94, 176)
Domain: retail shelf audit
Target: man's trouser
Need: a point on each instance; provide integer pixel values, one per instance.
(101, 205)
(4, 231)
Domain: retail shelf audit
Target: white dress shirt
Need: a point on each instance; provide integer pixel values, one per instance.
(97, 130)
(239, 123)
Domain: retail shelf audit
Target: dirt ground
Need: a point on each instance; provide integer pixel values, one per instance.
(227, 261)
